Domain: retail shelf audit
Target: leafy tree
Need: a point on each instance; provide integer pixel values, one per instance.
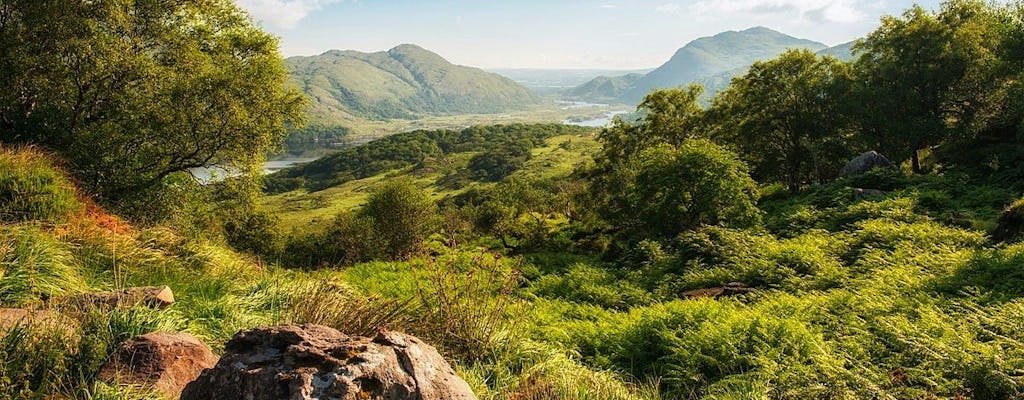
(133, 91)
(402, 214)
(697, 183)
(925, 77)
(670, 116)
(783, 116)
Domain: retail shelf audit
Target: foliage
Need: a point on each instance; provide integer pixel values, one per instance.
(696, 184)
(796, 134)
(130, 92)
(402, 215)
(411, 148)
(925, 77)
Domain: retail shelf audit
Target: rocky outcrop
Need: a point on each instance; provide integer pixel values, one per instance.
(151, 296)
(317, 362)
(730, 289)
(866, 162)
(164, 361)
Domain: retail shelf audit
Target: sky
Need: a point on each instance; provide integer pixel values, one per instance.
(555, 34)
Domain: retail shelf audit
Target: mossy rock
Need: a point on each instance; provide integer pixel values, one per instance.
(33, 189)
(1011, 223)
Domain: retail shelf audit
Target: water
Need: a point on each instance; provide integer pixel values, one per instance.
(214, 174)
(599, 122)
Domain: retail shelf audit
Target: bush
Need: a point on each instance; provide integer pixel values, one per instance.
(403, 216)
(698, 183)
(33, 189)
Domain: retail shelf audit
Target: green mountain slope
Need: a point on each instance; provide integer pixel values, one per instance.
(404, 82)
(843, 51)
(716, 54)
(709, 58)
(604, 88)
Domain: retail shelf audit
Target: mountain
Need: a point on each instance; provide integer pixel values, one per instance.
(553, 81)
(404, 82)
(714, 57)
(843, 51)
(604, 88)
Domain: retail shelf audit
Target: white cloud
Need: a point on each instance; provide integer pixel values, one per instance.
(844, 11)
(667, 8)
(282, 13)
(609, 6)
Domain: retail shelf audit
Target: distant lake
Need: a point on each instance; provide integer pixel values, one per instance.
(213, 174)
(599, 122)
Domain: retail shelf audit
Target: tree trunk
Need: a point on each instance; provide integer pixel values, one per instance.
(915, 161)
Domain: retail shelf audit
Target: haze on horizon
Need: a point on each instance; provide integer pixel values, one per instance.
(572, 34)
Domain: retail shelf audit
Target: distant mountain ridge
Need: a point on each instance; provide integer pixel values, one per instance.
(711, 61)
(404, 82)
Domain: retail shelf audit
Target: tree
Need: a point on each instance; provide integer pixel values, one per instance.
(784, 116)
(924, 77)
(697, 183)
(402, 215)
(670, 116)
(133, 91)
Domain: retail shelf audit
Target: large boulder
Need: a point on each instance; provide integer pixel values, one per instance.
(866, 162)
(164, 361)
(317, 362)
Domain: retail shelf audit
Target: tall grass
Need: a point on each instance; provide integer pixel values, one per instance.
(32, 189)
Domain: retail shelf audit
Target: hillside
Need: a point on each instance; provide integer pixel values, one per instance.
(710, 59)
(604, 88)
(404, 82)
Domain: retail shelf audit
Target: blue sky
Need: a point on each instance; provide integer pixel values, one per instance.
(602, 34)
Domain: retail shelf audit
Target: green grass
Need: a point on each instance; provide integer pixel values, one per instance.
(31, 188)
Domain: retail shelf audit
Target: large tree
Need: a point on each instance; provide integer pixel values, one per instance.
(133, 91)
(924, 77)
(783, 117)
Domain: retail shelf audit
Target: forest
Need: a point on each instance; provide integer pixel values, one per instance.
(824, 229)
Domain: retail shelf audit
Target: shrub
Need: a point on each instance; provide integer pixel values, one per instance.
(403, 216)
(698, 183)
(587, 284)
(33, 189)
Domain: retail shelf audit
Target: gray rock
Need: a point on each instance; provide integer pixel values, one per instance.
(866, 162)
(317, 362)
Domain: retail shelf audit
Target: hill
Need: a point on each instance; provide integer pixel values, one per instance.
(404, 82)
(715, 59)
(842, 51)
(604, 88)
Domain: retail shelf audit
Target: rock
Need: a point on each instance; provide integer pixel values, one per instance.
(152, 296)
(729, 290)
(317, 362)
(866, 162)
(11, 317)
(867, 194)
(164, 361)
(1010, 223)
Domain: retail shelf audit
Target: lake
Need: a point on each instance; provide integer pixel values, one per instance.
(213, 174)
(599, 122)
